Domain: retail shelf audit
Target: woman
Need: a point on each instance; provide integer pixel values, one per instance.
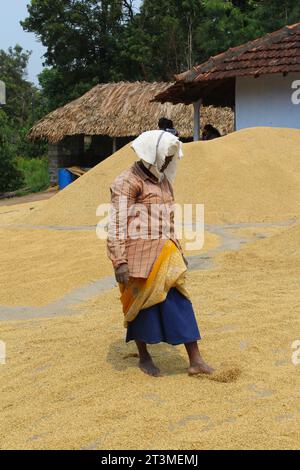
(147, 257)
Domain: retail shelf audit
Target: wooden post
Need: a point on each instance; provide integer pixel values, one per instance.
(234, 124)
(2, 93)
(197, 107)
(114, 144)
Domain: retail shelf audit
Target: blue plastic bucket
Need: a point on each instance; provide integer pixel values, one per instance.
(65, 177)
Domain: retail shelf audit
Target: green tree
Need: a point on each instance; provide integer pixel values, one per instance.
(24, 101)
(224, 24)
(170, 36)
(92, 41)
(10, 178)
(274, 14)
(158, 42)
(81, 38)
(13, 66)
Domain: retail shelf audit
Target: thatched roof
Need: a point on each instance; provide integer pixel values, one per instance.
(120, 110)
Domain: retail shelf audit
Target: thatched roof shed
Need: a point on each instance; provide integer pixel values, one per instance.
(120, 110)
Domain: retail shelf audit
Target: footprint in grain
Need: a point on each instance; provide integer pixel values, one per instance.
(127, 356)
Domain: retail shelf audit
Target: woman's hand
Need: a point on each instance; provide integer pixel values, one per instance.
(122, 274)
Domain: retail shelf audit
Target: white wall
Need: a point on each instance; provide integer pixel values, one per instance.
(267, 101)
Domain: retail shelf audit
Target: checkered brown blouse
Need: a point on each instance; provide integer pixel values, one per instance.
(140, 188)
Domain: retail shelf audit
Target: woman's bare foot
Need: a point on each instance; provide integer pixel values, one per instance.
(146, 363)
(197, 363)
(148, 367)
(200, 368)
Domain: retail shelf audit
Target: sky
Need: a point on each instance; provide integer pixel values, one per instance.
(11, 33)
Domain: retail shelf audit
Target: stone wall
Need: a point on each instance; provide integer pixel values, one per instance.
(68, 152)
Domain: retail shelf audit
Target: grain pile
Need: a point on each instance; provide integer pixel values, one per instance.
(72, 383)
(41, 266)
(250, 175)
(9, 214)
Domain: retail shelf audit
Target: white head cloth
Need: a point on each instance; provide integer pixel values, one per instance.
(152, 147)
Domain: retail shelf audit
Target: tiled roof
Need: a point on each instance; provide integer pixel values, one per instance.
(277, 52)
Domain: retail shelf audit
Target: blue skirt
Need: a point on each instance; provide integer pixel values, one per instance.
(171, 321)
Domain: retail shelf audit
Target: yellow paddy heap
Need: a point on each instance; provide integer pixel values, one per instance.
(72, 382)
(250, 175)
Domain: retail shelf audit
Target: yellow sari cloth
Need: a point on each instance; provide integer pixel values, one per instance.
(169, 270)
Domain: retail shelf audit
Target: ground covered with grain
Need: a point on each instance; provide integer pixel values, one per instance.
(71, 382)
